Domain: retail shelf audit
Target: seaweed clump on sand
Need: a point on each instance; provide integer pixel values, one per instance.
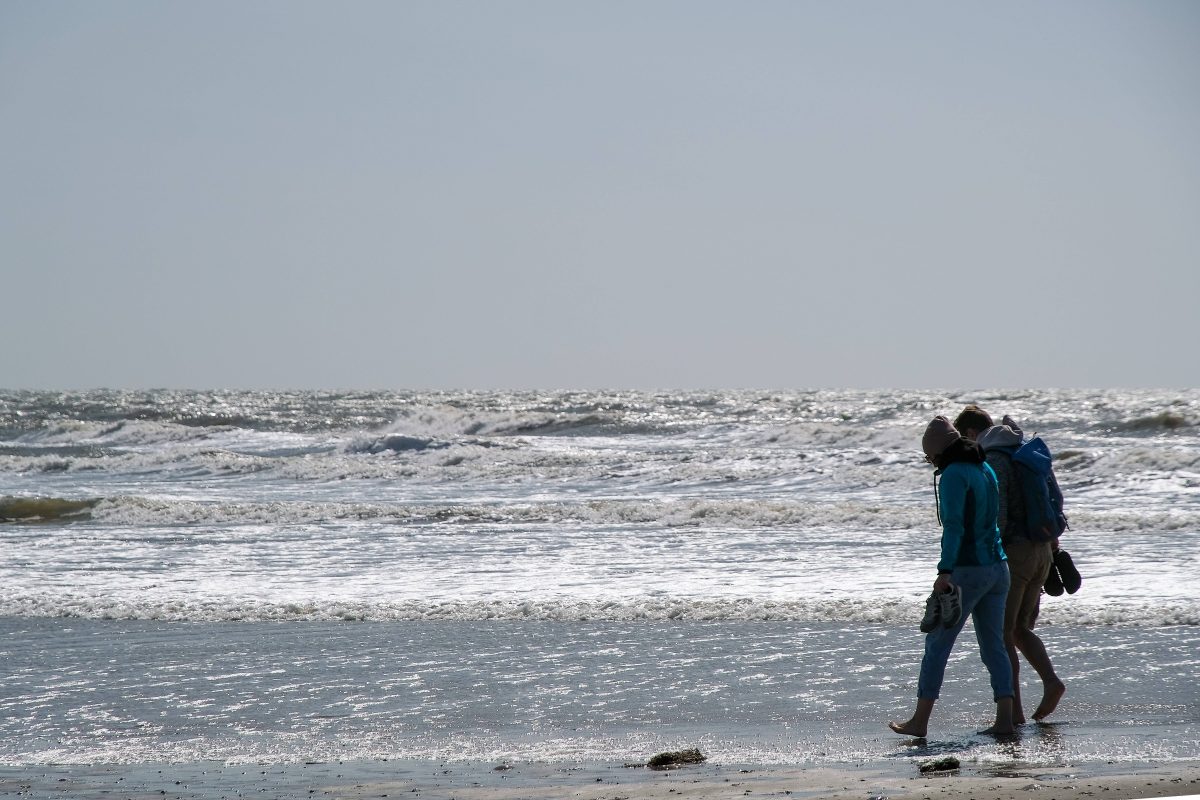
(947, 764)
(677, 759)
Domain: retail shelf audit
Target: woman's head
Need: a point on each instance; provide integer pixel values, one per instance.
(943, 444)
(939, 435)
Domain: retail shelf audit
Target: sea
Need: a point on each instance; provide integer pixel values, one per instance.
(563, 576)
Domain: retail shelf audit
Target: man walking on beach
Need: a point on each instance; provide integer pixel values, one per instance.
(1029, 561)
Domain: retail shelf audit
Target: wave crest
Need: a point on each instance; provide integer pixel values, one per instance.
(849, 609)
(44, 509)
(1155, 423)
(135, 511)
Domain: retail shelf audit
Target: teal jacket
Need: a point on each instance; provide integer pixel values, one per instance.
(968, 502)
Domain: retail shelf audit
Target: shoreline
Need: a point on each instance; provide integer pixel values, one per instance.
(434, 780)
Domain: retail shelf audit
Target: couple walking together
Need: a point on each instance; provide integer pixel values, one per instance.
(990, 570)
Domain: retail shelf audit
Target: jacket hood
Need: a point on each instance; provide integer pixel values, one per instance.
(1012, 423)
(999, 436)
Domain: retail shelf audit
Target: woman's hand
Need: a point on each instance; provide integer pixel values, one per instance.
(942, 584)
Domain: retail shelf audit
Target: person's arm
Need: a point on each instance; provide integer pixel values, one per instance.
(953, 496)
(1003, 469)
(1056, 499)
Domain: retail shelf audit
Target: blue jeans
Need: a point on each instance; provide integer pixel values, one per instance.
(985, 591)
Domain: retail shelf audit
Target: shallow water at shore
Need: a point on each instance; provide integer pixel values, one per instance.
(83, 691)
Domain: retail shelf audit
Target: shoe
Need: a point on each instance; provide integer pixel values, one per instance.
(951, 603)
(1071, 580)
(1054, 582)
(933, 613)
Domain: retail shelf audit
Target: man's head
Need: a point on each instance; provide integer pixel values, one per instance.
(972, 421)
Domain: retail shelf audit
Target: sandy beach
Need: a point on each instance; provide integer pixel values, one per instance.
(434, 781)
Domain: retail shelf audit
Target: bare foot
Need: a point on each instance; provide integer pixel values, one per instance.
(907, 729)
(1019, 718)
(1054, 692)
(997, 730)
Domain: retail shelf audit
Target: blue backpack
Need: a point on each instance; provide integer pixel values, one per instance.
(1034, 474)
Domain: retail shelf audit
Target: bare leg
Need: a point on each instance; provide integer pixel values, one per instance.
(918, 726)
(1018, 709)
(1003, 725)
(1034, 651)
(1050, 697)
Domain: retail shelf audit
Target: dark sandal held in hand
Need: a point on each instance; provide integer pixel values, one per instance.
(1054, 583)
(1070, 577)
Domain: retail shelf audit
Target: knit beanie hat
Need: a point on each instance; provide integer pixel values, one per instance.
(939, 435)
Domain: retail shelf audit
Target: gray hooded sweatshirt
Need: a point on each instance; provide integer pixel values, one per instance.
(998, 443)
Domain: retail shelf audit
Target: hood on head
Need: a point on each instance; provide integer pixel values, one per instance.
(939, 435)
(999, 436)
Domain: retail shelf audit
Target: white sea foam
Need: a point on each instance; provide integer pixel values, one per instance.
(847, 609)
(242, 501)
(684, 512)
(773, 513)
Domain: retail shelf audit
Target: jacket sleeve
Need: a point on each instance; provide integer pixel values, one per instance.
(1003, 473)
(1056, 500)
(953, 497)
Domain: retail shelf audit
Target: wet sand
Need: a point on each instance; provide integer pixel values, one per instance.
(435, 781)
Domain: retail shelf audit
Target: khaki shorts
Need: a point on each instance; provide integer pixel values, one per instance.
(1028, 566)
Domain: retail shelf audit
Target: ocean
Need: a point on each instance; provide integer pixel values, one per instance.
(282, 577)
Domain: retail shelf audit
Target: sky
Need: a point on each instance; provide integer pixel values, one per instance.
(626, 195)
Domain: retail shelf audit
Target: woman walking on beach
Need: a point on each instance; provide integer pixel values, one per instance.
(972, 576)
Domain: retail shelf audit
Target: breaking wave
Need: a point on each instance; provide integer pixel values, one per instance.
(844, 609)
(44, 509)
(136, 512)
(1153, 423)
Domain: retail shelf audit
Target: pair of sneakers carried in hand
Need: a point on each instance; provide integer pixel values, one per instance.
(942, 609)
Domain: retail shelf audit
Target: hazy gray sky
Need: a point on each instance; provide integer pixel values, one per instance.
(599, 194)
